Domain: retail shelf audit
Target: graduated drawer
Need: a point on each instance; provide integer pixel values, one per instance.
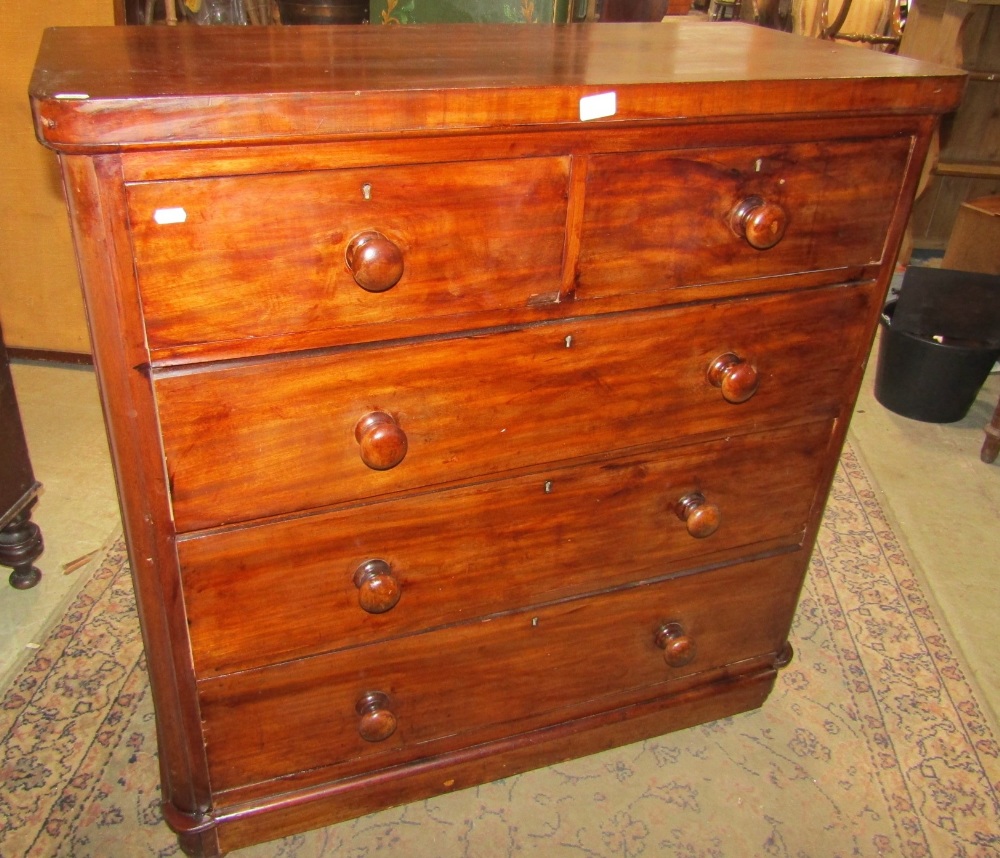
(294, 588)
(467, 684)
(257, 256)
(665, 220)
(256, 439)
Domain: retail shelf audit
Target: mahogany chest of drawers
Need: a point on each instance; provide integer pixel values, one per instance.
(473, 392)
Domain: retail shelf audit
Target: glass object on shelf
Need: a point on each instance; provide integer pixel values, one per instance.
(215, 11)
(479, 11)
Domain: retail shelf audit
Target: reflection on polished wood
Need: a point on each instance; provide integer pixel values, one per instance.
(427, 376)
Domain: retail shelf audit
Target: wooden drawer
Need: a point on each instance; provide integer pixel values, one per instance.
(466, 684)
(259, 256)
(272, 437)
(664, 220)
(274, 592)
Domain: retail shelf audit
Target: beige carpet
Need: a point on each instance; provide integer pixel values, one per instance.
(872, 744)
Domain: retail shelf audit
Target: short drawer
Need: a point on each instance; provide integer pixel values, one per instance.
(667, 220)
(271, 593)
(223, 259)
(274, 437)
(418, 696)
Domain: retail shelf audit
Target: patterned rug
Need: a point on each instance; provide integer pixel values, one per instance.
(872, 744)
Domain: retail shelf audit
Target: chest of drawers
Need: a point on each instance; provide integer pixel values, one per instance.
(473, 392)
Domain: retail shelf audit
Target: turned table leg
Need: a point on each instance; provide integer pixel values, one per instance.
(991, 444)
(20, 546)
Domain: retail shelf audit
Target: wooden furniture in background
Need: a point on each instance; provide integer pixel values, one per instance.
(965, 35)
(641, 10)
(468, 415)
(974, 243)
(972, 246)
(20, 537)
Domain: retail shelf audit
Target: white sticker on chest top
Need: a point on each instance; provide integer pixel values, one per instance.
(598, 106)
(174, 215)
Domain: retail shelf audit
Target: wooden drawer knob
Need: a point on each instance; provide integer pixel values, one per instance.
(678, 649)
(378, 588)
(736, 377)
(375, 262)
(761, 223)
(701, 517)
(377, 722)
(383, 443)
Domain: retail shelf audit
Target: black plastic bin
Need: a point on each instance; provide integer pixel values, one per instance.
(924, 379)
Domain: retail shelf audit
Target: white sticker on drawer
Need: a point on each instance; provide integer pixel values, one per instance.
(598, 106)
(174, 215)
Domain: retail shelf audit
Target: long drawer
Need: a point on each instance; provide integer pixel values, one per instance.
(421, 695)
(266, 438)
(274, 592)
(254, 256)
(712, 215)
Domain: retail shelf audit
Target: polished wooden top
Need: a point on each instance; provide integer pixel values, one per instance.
(112, 87)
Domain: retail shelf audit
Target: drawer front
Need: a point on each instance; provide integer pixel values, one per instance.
(275, 437)
(665, 220)
(260, 256)
(274, 592)
(467, 684)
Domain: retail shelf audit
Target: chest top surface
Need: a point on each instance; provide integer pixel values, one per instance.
(112, 88)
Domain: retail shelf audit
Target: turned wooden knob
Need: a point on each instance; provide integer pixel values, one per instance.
(375, 262)
(761, 223)
(378, 588)
(383, 442)
(377, 722)
(678, 649)
(736, 377)
(701, 517)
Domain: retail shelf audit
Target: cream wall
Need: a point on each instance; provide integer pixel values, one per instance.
(40, 303)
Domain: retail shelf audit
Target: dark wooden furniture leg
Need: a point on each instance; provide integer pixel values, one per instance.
(20, 545)
(991, 443)
(20, 538)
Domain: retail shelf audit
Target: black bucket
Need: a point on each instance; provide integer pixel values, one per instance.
(927, 380)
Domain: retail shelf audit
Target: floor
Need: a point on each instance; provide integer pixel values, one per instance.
(944, 502)
(77, 510)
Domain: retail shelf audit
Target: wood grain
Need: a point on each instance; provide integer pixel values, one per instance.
(205, 85)
(638, 235)
(234, 436)
(536, 473)
(508, 674)
(473, 236)
(287, 590)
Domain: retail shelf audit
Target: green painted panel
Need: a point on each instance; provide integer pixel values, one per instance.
(477, 11)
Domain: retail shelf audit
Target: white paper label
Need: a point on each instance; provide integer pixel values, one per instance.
(165, 216)
(598, 106)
